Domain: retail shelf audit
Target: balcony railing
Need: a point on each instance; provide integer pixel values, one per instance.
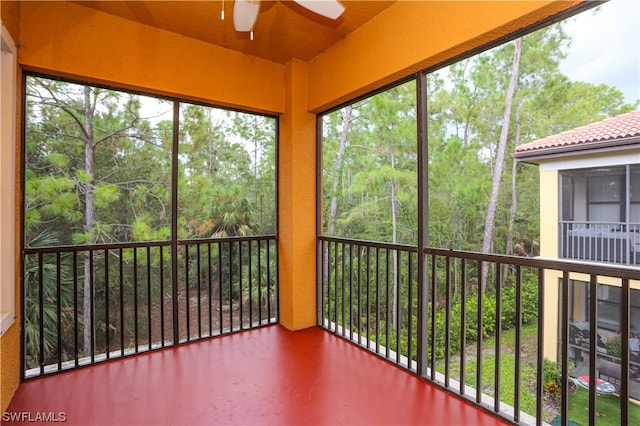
(472, 323)
(141, 296)
(615, 242)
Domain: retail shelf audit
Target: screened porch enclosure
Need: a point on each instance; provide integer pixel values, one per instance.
(149, 222)
(318, 263)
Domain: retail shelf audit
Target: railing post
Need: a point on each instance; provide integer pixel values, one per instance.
(593, 345)
(423, 231)
(564, 354)
(540, 353)
(624, 367)
(174, 222)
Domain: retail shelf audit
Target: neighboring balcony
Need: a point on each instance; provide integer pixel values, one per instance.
(611, 242)
(599, 215)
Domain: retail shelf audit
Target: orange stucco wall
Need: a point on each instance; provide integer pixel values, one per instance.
(10, 340)
(73, 41)
(9, 364)
(297, 203)
(76, 41)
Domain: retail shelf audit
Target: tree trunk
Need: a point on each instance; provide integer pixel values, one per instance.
(514, 198)
(333, 208)
(90, 218)
(394, 239)
(502, 147)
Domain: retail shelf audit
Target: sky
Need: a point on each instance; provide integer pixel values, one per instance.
(606, 47)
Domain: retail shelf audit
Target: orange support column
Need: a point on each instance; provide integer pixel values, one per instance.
(297, 203)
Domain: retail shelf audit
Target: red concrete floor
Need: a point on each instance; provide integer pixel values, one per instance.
(268, 376)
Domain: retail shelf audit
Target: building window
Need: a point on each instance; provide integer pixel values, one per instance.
(600, 214)
(567, 197)
(605, 198)
(634, 195)
(7, 180)
(609, 309)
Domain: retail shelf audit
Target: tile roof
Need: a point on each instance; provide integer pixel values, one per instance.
(618, 127)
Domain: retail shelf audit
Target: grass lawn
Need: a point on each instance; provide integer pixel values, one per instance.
(607, 407)
(507, 369)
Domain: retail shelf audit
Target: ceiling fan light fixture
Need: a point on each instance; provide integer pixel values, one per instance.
(245, 13)
(331, 9)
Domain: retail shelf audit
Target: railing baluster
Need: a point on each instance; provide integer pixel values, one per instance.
(447, 320)
(161, 278)
(323, 263)
(187, 298)
(41, 312)
(377, 315)
(368, 306)
(336, 277)
(564, 359)
(396, 301)
(220, 295)
(230, 300)
(149, 330)
(388, 301)
(59, 310)
(121, 298)
(107, 327)
(135, 298)
(342, 284)
(92, 322)
(329, 280)
(361, 253)
(540, 349)
(75, 310)
(241, 313)
(409, 311)
(269, 289)
(351, 262)
(518, 344)
(624, 362)
(498, 337)
(250, 256)
(479, 334)
(199, 285)
(433, 282)
(593, 344)
(463, 323)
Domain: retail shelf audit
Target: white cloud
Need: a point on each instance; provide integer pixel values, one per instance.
(606, 47)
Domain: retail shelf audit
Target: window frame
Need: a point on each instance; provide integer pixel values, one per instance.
(8, 96)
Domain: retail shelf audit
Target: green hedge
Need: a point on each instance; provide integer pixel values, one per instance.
(508, 316)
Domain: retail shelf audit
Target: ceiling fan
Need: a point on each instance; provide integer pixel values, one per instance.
(245, 12)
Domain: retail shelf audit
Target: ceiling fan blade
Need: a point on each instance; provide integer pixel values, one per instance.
(331, 9)
(245, 13)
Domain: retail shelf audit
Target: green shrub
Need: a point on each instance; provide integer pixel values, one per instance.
(614, 346)
(552, 377)
(508, 317)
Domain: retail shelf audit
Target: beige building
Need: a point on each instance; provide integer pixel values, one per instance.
(590, 212)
